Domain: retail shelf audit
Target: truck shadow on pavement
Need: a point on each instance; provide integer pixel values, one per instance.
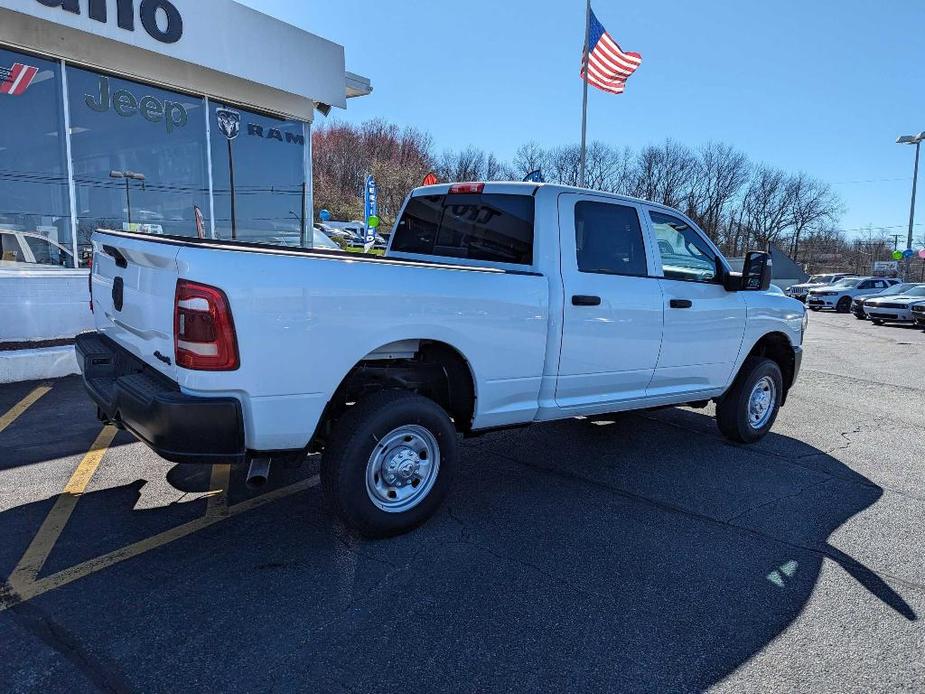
(636, 552)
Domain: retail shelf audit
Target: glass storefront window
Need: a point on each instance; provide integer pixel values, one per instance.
(35, 223)
(140, 162)
(258, 177)
(140, 159)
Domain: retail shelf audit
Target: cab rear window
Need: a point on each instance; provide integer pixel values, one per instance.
(487, 227)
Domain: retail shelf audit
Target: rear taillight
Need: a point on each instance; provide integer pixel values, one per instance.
(203, 330)
(463, 188)
(90, 283)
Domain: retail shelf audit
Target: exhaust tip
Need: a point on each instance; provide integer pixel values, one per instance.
(258, 473)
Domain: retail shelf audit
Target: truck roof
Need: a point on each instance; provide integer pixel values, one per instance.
(522, 188)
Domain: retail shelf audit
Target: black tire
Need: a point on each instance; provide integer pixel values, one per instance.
(843, 305)
(357, 434)
(860, 316)
(732, 412)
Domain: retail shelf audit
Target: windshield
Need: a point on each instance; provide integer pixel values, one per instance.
(915, 291)
(820, 279)
(897, 289)
(847, 283)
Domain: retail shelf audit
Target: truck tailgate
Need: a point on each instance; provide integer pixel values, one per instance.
(134, 283)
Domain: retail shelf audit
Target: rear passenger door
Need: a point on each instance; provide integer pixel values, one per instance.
(612, 323)
(704, 323)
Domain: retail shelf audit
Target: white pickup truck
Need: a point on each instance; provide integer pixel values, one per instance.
(497, 305)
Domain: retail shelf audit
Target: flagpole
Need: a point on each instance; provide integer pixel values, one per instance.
(584, 105)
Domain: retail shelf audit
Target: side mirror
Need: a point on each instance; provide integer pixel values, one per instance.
(757, 271)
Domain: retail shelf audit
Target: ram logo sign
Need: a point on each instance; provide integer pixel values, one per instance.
(229, 122)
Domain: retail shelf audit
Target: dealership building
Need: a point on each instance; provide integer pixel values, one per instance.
(177, 117)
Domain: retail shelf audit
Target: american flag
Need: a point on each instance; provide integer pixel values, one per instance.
(609, 66)
(16, 80)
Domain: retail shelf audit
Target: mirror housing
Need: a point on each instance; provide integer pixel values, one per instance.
(756, 274)
(757, 271)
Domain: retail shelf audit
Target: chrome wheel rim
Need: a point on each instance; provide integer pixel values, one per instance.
(761, 403)
(402, 468)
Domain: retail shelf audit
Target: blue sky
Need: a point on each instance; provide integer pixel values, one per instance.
(822, 86)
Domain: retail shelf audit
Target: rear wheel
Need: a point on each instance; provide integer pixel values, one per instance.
(748, 411)
(843, 305)
(389, 463)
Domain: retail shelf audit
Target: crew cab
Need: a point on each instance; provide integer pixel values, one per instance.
(496, 305)
(839, 296)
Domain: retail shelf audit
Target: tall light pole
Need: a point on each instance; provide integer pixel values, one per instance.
(128, 176)
(917, 141)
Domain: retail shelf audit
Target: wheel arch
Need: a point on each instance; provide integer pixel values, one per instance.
(431, 367)
(777, 347)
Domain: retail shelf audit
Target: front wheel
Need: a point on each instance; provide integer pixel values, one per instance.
(389, 463)
(748, 411)
(860, 316)
(843, 305)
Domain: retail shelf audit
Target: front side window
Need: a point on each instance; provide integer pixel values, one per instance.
(609, 240)
(140, 160)
(33, 166)
(486, 227)
(685, 254)
(258, 169)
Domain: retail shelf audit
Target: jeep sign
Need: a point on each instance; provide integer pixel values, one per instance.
(168, 30)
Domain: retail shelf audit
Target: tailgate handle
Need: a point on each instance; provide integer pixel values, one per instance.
(116, 255)
(118, 293)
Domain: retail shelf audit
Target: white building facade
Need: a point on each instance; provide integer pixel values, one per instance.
(174, 117)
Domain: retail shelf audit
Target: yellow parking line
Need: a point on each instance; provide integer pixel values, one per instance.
(217, 503)
(17, 410)
(33, 589)
(28, 568)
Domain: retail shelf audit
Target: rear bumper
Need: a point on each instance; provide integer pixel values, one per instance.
(178, 427)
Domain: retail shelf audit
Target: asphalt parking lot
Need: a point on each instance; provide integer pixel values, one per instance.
(629, 553)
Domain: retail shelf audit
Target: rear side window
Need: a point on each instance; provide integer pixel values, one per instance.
(487, 227)
(609, 240)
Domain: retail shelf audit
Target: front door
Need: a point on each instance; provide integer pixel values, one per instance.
(613, 312)
(704, 323)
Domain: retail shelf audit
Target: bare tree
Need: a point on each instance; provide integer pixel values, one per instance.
(665, 174)
(768, 204)
(813, 203)
(720, 174)
(527, 159)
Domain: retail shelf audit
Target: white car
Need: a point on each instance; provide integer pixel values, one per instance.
(840, 295)
(17, 247)
(894, 309)
(497, 305)
(857, 305)
(799, 291)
